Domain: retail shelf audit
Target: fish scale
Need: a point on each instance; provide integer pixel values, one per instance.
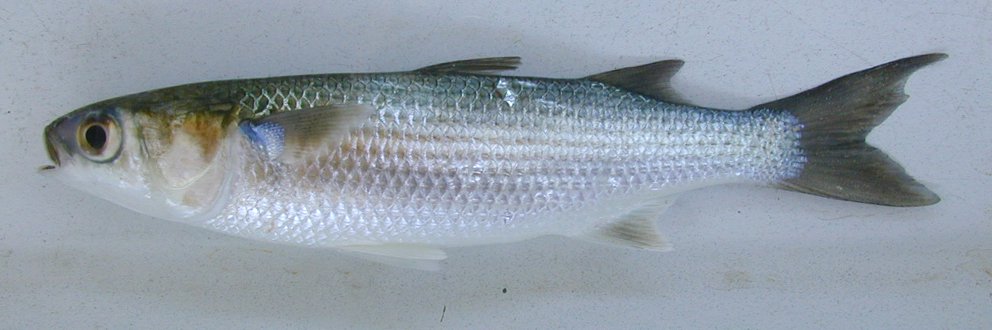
(444, 151)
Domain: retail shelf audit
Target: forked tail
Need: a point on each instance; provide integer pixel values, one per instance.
(836, 117)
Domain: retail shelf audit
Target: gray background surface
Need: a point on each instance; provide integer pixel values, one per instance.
(745, 256)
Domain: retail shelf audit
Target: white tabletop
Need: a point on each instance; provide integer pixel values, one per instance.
(745, 257)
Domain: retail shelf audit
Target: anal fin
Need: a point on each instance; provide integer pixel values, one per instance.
(635, 229)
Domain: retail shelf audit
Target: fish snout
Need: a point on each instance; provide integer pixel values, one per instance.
(52, 141)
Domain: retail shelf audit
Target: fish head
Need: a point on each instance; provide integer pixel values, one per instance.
(163, 159)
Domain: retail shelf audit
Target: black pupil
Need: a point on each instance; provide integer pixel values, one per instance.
(96, 137)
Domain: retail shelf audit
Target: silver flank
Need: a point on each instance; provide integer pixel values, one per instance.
(465, 159)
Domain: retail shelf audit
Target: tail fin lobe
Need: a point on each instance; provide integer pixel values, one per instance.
(836, 118)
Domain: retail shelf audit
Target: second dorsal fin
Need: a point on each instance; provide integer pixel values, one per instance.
(476, 65)
(652, 79)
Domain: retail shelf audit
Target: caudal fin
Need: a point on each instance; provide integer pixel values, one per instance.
(836, 117)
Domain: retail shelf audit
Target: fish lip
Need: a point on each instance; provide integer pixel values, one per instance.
(50, 137)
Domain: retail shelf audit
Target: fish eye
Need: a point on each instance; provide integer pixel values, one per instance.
(99, 138)
(96, 136)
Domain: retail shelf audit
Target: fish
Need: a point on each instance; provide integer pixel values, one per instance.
(398, 166)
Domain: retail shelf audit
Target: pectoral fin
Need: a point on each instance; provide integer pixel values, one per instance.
(292, 135)
(634, 229)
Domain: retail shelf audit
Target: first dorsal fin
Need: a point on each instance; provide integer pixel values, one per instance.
(475, 66)
(652, 79)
